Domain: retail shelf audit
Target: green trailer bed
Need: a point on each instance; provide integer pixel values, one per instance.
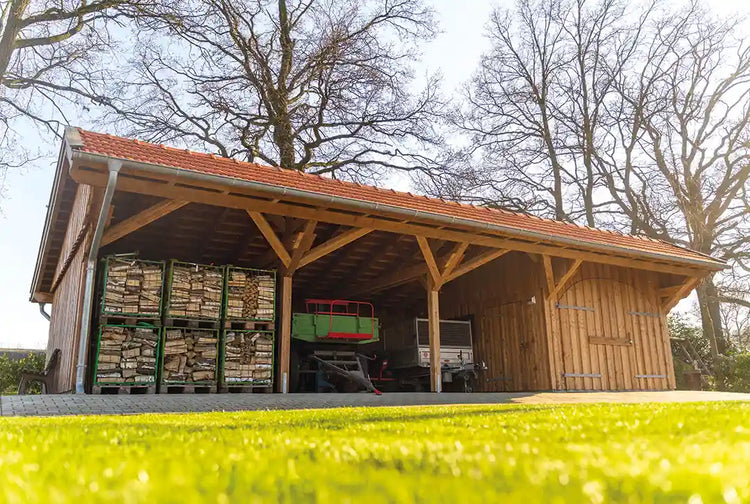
(335, 322)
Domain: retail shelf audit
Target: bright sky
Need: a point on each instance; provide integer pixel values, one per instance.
(455, 52)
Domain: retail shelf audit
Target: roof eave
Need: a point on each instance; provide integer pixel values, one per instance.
(65, 154)
(373, 207)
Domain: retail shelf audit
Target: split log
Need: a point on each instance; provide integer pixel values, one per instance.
(127, 355)
(248, 357)
(250, 294)
(189, 355)
(133, 287)
(195, 291)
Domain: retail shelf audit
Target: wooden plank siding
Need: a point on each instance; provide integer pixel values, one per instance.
(67, 299)
(613, 331)
(509, 330)
(606, 328)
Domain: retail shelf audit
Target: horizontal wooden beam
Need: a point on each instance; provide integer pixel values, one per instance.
(214, 196)
(139, 220)
(333, 244)
(597, 340)
(270, 235)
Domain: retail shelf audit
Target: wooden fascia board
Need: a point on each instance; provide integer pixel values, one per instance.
(261, 203)
(139, 220)
(333, 244)
(42, 297)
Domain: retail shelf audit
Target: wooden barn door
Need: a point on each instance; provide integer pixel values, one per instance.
(613, 333)
(597, 340)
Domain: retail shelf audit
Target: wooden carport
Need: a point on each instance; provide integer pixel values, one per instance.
(328, 238)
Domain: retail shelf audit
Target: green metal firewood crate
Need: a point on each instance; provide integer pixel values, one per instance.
(248, 382)
(266, 315)
(201, 385)
(121, 385)
(170, 314)
(112, 315)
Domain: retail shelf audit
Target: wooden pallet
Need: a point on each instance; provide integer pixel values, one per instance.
(168, 388)
(249, 325)
(131, 320)
(247, 388)
(192, 323)
(123, 389)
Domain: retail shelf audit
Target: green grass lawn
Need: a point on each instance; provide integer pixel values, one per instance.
(588, 453)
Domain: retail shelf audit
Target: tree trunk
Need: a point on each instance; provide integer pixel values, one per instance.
(282, 130)
(10, 32)
(708, 301)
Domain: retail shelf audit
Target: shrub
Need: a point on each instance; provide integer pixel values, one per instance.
(732, 373)
(10, 372)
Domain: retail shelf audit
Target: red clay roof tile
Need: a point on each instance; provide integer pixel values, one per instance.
(104, 144)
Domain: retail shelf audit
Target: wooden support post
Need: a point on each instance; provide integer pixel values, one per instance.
(554, 338)
(285, 334)
(433, 316)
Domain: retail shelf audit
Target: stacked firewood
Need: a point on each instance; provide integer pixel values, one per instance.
(133, 287)
(195, 291)
(250, 295)
(248, 357)
(127, 355)
(189, 355)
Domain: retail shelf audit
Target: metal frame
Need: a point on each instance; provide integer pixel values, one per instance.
(106, 260)
(222, 358)
(167, 296)
(225, 296)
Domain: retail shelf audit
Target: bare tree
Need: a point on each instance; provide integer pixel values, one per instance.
(322, 86)
(48, 57)
(535, 109)
(689, 109)
(629, 116)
